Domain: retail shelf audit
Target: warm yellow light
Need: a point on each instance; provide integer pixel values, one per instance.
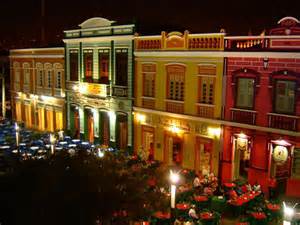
(214, 131)
(141, 118)
(242, 135)
(82, 88)
(173, 128)
(52, 139)
(75, 88)
(17, 128)
(174, 177)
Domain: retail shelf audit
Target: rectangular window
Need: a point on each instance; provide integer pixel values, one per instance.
(73, 65)
(176, 82)
(88, 65)
(40, 78)
(206, 90)
(49, 79)
(285, 96)
(149, 71)
(245, 93)
(58, 79)
(26, 76)
(121, 67)
(103, 65)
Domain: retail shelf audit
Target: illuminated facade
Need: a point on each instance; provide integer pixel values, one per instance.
(262, 139)
(99, 82)
(37, 88)
(178, 99)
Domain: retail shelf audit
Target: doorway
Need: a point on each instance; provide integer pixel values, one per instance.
(148, 141)
(121, 131)
(173, 152)
(241, 154)
(203, 155)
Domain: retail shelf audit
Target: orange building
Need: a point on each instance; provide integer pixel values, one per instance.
(37, 88)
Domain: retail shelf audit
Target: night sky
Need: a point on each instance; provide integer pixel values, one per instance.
(21, 19)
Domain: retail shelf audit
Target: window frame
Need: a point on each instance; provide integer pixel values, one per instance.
(125, 81)
(89, 52)
(168, 89)
(275, 96)
(237, 93)
(104, 79)
(71, 78)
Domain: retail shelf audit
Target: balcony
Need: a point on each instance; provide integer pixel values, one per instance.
(243, 116)
(148, 102)
(120, 91)
(174, 106)
(205, 110)
(281, 121)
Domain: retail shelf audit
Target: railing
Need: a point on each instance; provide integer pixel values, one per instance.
(205, 42)
(148, 103)
(243, 116)
(149, 44)
(205, 110)
(120, 91)
(285, 122)
(174, 106)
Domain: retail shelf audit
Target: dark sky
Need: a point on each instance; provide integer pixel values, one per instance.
(20, 20)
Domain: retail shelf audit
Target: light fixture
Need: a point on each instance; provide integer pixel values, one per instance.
(212, 131)
(174, 177)
(174, 129)
(281, 142)
(82, 88)
(266, 63)
(141, 118)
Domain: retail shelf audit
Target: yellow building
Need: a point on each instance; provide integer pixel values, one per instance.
(178, 98)
(37, 88)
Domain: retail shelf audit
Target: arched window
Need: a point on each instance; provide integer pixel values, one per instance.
(175, 82)
(48, 71)
(58, 72)
(26, 73)
(149, 71)
(40, 75)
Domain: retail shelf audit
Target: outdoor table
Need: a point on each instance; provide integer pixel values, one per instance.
(72, 145)
(58, 148)
(218, 203)
(34, 148)
(15, 151)
(75, 140)
(229, 185)
(182, 206)
(207, 218)
(63, 143)
(4, 147)
(22, 144)
(42, 151)
(274, 211)
(258, 218)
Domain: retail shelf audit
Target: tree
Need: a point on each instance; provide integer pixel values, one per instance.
(80, 189)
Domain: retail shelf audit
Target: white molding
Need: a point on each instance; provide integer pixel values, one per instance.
(100, 28)
(37, 56)
(205, 105)
(172, 54)
(218, 122)
(263, 37)
(36, 49)
(100, 38)
(174, 101)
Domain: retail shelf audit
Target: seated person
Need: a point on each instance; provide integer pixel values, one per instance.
(232, 194)
(256, 187)
(192, 212)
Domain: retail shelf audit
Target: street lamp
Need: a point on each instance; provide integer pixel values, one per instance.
(17, 128)
(52, 143)
(174, 178)
(288, 213)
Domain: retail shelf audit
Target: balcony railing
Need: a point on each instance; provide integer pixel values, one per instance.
(285, 122)
(205, 110)
(148, 102)
(120, 91)
(243, 116)
(174, 106)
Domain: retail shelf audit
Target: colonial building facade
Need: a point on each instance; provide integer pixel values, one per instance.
(37, 88)
(262, 142)
(178, 99)
(99, 82)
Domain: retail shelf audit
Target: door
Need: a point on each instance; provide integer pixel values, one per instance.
(173, 154)
(148, 141)
(203, 155)
(122, 131)
(241, 154)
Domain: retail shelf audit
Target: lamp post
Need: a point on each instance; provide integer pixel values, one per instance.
(174, 178)
(17, 128)
(52, 143)
(288, 214)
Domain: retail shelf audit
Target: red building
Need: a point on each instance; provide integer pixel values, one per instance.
(262, 108)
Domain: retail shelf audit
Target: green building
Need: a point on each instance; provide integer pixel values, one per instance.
(99, 81)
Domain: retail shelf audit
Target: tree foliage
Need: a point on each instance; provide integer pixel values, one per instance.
(82, 189)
